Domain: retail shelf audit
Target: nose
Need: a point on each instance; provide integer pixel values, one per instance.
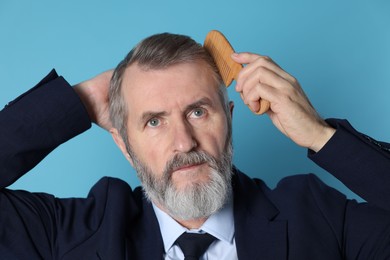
(183, 137)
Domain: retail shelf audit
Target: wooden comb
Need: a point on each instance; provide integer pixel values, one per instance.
(221, 50)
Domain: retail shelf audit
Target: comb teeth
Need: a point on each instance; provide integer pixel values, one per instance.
(221, 50)
(217, 55)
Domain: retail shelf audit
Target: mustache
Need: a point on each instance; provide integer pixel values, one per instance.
(191, 158)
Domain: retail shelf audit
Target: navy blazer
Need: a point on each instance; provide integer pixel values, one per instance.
(302, 218)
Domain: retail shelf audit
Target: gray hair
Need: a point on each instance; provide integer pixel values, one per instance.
(158, 52)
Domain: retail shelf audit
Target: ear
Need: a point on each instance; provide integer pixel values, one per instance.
(231, 106)
(121, 144)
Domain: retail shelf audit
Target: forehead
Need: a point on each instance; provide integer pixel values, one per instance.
(158, 89)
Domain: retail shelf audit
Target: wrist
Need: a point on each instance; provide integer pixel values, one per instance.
(81, 90)
(324, 136)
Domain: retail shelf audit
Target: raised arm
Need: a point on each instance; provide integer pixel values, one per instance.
(359, 162)
(46, 116)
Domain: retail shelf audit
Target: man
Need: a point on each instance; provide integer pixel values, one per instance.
(172, 120)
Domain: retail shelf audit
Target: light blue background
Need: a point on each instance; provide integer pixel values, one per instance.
(338, 50)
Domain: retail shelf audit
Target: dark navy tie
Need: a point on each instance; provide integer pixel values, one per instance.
(194, 245)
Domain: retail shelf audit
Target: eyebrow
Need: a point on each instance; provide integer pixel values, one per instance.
(152, 114)
(149, 115)
(201, 102)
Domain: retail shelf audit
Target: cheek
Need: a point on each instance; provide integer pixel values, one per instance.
(150, 152)
(214, 141)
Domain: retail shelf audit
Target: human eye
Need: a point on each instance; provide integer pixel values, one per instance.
(198, 112)
(154, 122)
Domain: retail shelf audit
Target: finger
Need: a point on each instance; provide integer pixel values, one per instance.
(248, 58)
(242, 96)
(264, 62)
(260, 92)
(253, 98)
(245, 57)
(263, 76)
(254, 60)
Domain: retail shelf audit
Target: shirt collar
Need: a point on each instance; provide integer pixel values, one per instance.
(220, 225)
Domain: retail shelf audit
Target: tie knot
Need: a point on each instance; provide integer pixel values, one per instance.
(194, 245)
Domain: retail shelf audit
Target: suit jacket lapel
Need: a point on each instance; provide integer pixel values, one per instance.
(140, 236)
(257, 232)
(144, 240)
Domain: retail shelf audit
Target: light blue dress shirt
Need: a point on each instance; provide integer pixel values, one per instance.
(220, 225)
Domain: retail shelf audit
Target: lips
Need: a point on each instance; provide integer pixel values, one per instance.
(186, 167)
(186, 162)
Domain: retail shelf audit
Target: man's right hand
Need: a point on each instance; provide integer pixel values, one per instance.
(290, 110)
(94, 94)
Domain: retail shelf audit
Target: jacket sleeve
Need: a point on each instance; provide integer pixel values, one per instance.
(37, 122)
(360, 162)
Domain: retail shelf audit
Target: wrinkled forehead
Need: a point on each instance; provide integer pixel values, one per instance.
(197, 72)
(181, 82)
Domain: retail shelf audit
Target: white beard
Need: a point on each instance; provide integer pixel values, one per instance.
(197, 200)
